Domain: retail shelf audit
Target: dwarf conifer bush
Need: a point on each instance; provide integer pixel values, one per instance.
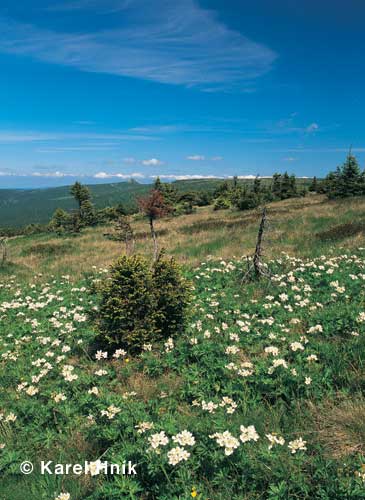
(140, 304)
(172, 294)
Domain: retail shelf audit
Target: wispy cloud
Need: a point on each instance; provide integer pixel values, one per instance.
(313, 127)
(153, 162)
(101, 147)
(106, 6)
(318, 150)
(186, 177)
(164, 41)
(289, 126)
(84, 122)
(34, 136)
(195, 158)
(105, 175)
(56, 174)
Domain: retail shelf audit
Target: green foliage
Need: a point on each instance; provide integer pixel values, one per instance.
(346, 181)
(87, 214)
(172, 297)
(314, 186)
(127, 307)
(60, 221)
(80, 193)
(221, 203)
(140, 304)
(284, 186)
(287, 360)
(167, 190)
(310, 388)
(244, 200)
(63, 222)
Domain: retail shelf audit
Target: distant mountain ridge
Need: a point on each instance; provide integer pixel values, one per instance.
(20, 207)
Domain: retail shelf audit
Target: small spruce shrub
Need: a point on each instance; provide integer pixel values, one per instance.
(221, 203)
(172, 294)
(140, 304)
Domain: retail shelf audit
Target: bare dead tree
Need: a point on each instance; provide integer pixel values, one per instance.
(4, 250)
(256, 265)
(154, 206)
(258, 250)
(125, 233)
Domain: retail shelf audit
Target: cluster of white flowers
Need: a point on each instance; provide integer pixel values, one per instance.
(59, 397)
(184, 438)
(177, 455)
(63, 496)
(157, 440)
(275, 439)
(248, 434)
(101, 355)
(67, 373)
(297, 445)
(119, 353)
(143, 427)
(110, 412)
(11, 417)
(227, 441)
(169, 345)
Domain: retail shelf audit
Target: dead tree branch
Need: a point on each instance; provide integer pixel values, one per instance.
(4, 250)
(256, 266)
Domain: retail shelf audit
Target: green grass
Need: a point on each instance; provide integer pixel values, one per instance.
(312, 307)
(20, 207)
(298, 227)
(327, 412)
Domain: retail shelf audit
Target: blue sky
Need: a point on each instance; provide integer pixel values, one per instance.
(105, 90)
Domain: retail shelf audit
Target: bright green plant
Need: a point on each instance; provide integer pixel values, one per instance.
(141, 304)
(172, 297)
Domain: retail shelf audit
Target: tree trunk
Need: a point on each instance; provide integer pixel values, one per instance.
(154, 237)
(4, 250)
(258, 250)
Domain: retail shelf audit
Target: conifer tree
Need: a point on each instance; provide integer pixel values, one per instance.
(276, 185)
(257, 185)
(314, 185)
(80, 193)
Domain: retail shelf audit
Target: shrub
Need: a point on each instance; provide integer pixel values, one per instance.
(221, 203)
(126, 314)
(172, 297)
(140, 304)
(248, 201)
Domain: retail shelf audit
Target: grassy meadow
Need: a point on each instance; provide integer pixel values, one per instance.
(303, 226)
(261, 397)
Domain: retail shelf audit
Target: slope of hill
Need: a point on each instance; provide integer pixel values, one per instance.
(261, 396)
(20, 207)
(302, 226)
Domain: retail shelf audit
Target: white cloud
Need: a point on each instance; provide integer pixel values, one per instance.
(53, 174)
(153, 162)
(186, 177)
(105, 175)
(84, 122)
(164, 41)
(217, 158)
(318, 150)
(14, 136)
(288, 126)
(75, 149)
(313, 127)
(196, 158)
(289, 158)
